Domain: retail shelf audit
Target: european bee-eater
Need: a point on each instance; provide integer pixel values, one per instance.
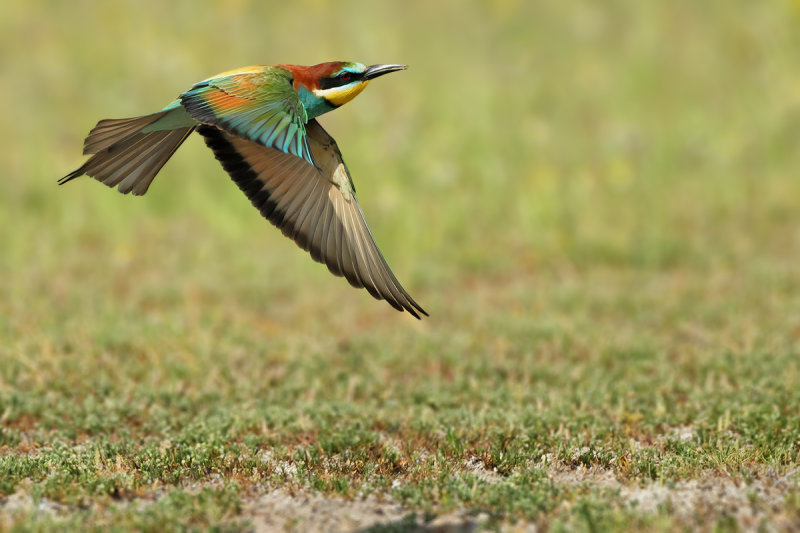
(261, 124)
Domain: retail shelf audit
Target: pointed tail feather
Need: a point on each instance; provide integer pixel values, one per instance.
(125, 154)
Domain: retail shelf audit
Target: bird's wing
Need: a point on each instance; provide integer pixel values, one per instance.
(257, 104)
(316, 207)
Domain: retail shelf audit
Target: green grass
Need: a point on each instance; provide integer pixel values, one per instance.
(598, 205)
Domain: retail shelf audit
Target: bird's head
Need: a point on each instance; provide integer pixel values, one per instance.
(326, 86)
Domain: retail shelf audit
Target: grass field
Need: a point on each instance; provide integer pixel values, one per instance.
(598, 205)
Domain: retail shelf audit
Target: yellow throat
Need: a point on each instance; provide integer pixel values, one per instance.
(339, 96)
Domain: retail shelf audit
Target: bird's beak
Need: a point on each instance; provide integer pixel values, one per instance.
(379, 70)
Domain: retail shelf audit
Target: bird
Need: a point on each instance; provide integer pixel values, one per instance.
(261, 124)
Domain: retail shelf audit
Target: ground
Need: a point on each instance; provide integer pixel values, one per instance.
(598, 205)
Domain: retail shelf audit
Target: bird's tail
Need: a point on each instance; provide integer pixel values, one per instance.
(129, 152)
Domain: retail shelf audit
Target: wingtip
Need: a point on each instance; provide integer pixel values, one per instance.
(415, 310)
(413, 307)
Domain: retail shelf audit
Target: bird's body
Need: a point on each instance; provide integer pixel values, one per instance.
(261, 124)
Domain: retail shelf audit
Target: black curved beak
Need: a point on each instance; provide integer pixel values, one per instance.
(379, 70)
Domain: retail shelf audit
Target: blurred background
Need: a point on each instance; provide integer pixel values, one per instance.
(544, 164)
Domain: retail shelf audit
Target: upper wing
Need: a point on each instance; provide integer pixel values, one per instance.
(259, 104)
(316, 207)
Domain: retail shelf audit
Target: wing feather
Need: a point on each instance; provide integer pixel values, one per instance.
(308, 217)
(316, 206)
(357, 250)
(257, 104)
(345, 255)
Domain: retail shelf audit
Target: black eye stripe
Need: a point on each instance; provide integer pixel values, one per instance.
(342, 78)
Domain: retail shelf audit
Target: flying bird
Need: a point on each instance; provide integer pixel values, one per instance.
(261, 124)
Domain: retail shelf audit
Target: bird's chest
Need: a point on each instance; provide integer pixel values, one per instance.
(315, 106)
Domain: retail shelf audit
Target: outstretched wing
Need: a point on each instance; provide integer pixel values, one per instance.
(259, 104)
(316, 207)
